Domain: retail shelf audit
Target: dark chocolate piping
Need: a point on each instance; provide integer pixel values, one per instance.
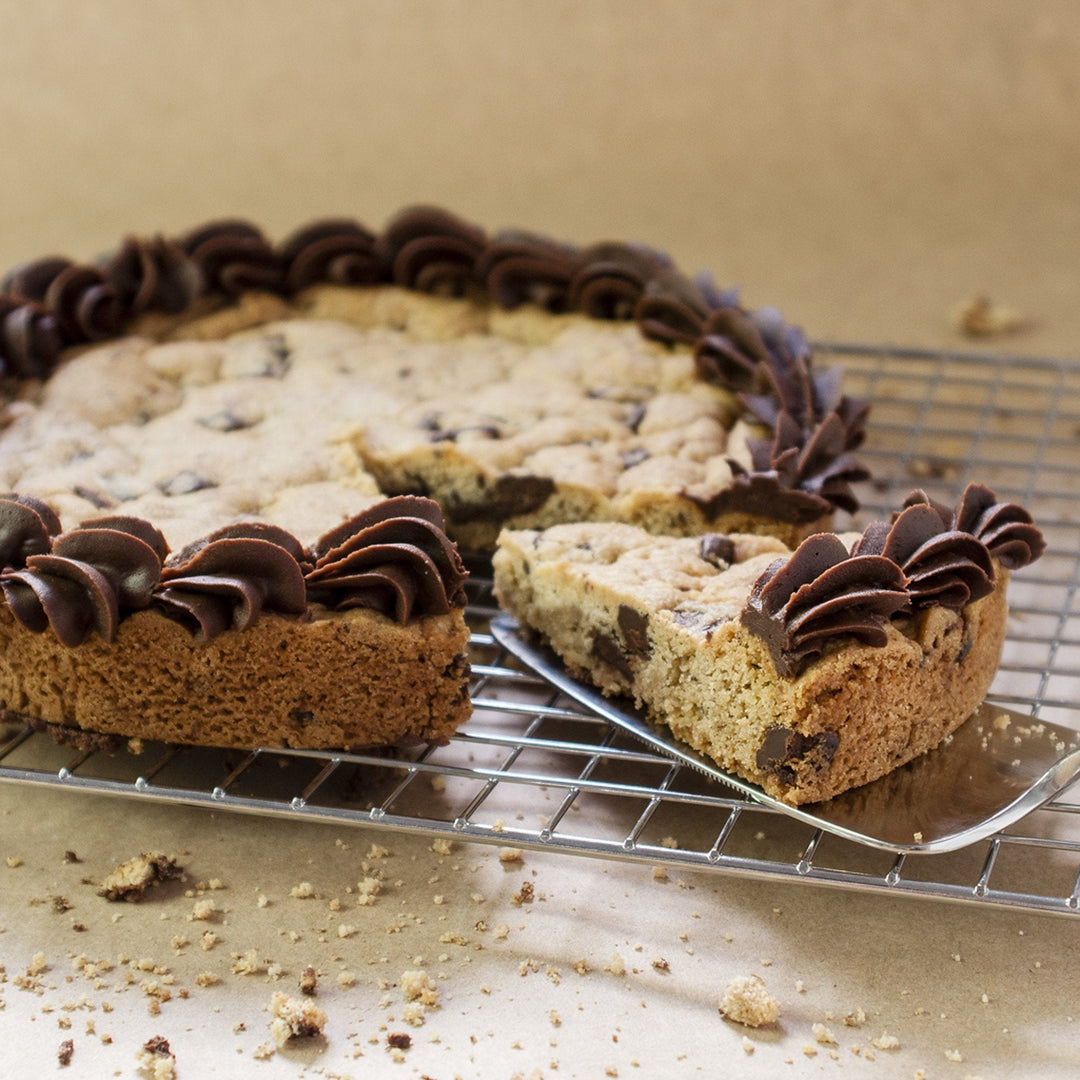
(394, 558)
(52, 304)
(925, 556)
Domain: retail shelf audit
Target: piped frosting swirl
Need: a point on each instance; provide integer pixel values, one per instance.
(800, 472)
(924, 556)
(232, 576)
(819, 594)
(83, 583)
(394, 558)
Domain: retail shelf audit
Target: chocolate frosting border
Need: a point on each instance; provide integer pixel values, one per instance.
(924, 556)
(801, 472)
(88, 578)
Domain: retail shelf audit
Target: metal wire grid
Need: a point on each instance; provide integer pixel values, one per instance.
(534, 769)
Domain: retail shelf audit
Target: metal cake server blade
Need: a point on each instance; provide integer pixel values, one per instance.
(998, 766)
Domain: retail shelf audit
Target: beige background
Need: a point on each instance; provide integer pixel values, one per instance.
(863, 166)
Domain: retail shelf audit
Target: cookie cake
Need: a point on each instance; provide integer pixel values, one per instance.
(240, 475)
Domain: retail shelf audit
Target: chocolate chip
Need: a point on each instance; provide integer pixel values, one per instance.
(634, 415)
(689, 619)
(487, 430)
(965, 647)
(96, 498)
(718, 549)
(185, 483)
(630, 458)
(782, 748)
(634, 627)
(278, 359)
(223, 421)
(607, 649)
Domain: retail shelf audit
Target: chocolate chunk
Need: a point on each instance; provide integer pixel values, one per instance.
(185, 483)
(782, 748)
(630, 458)
(634, 627)
(158, 1046)
(508, 496)
(607, 649)
(718, 549)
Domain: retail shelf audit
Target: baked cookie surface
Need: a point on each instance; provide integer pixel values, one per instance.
(515, 380)
(218, 391)
(807, 673)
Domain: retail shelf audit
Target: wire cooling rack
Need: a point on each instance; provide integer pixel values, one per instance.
(533, 769)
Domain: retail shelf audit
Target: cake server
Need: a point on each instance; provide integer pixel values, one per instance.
(998, 766)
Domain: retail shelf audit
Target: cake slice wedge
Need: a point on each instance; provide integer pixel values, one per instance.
(243, 639)
(806, 672)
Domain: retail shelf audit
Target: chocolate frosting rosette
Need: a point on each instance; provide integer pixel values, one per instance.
(394, 558)
(925, 556)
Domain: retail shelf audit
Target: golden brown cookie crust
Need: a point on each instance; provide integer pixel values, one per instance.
(669, 635)
(278, 683)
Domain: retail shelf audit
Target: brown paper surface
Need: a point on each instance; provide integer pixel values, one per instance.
(864, 167)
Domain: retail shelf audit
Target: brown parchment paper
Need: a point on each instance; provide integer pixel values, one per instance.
(864, 167)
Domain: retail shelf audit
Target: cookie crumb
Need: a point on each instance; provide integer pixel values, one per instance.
(855, 1018)
(309, 981)
(746, 1001)
(130, 880)
(294, 1019)
(157, 1059)
(417, 986)
(885, 1042)
(67, 1048)
(202, 910)
(616, 965)
(981, 317)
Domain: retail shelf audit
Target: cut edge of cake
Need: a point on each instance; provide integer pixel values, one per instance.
(226, 277)
(244, 638)
(806, 673)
